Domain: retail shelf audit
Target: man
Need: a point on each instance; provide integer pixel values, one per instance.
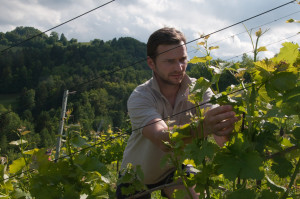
(164, 95)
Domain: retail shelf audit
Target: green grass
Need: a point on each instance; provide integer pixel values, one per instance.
(8, 99)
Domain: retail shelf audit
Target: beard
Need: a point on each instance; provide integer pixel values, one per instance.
(167, 81)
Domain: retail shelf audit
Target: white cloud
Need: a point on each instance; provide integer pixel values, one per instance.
(139, 18)
(198, 1)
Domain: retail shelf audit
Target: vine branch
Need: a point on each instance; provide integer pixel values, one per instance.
(155, 189)
(282, 152)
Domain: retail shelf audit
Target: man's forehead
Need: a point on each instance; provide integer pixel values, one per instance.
(172, 50)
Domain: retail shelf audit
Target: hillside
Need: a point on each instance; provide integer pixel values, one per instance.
(34, 75)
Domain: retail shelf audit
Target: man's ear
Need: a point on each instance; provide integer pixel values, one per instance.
(150, 63)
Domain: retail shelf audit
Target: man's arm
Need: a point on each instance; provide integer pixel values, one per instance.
(156, 131)
(218, 121)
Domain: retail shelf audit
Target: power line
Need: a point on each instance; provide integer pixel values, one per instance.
(17, 44)
(142, 60)
(265, 45)
(244, 20)
(252, 28)
(257, 27)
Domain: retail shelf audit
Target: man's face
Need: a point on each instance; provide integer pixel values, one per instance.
(169, 67)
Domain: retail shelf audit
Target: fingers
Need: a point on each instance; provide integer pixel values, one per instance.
(225, 124)
(220, 121)
(222, 116)
(221, 140)
(224, 131)
(218, 110)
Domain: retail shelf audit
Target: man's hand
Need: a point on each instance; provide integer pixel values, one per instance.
(220, 121)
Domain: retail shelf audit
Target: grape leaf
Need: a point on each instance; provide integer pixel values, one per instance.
(267, 194)
(283, 81)
(289, 53)
(228, 164)
(17, 165)
(252, 166)
(242, 193)
(78, 141)
(281, 166)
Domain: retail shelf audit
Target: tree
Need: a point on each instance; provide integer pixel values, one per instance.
(53, 38)
(26, 100)
(63, 39)
(3, 144)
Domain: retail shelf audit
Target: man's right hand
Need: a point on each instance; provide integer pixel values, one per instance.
(220, 121)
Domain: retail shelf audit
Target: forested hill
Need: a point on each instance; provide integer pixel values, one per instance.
(39, 70)
(44, 56)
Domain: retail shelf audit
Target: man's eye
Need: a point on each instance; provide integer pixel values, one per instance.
(171, 61)
(183, 60)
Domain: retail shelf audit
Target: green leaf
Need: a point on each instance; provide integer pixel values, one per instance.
(288, 53)
(93, 164)
(78, 141)
(267, 194)
(196, 153)
(139, 172)
(270, 90)
(99, 191)
(292, 96)
(289, 21)
(281, 166)
(199, 88)
(213, 47)
(215, 78)
(19, 193)
(262, 48)
(252, 166)
(17, 165)
(286, 143)
(191, 152)
(196, 60)
(228, 165)
(296, 132)
(201, 43)
(292, 20)
(185, 130)
(70, 191)
(242, 193)
(207, 149)
(179, 194)
(32, 151)
(25, 132)
(2, 170)
(283, 81)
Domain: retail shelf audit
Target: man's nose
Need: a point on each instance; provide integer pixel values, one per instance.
(179, 66)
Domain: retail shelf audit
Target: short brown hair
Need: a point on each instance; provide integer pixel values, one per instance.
(163, 36)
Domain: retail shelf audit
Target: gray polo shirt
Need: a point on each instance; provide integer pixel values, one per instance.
(145, 104)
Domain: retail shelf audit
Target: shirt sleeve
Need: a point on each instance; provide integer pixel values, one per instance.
(141, 110)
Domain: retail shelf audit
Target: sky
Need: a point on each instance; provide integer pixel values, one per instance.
(139, 18)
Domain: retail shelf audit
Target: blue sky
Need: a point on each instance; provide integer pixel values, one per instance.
(139, 18)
